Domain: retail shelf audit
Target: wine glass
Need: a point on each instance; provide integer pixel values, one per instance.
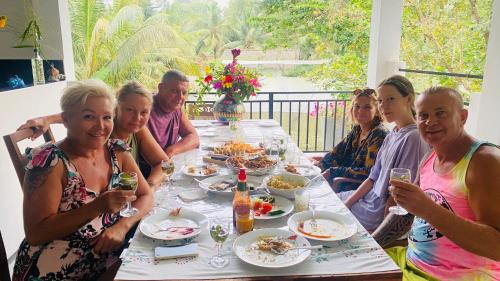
(167, 167)
(281, 142)
(401, 174)
(271, 148)
(219, 231)
(128, 181)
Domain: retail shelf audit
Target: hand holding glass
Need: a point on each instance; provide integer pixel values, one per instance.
(401, 174)
(128, 181)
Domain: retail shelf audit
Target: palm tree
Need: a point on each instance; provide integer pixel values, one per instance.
(120, 43)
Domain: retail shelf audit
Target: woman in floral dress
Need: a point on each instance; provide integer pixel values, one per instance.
(73, 229)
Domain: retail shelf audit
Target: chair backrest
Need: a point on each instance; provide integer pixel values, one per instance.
(4, 263)
(204, 111)
(18, 158)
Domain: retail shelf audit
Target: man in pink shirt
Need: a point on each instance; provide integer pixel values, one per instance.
(455, 234)
(167, 123)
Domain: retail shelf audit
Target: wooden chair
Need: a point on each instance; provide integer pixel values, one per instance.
(19, 160)
(4, 263)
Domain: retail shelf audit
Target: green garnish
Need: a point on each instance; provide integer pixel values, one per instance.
(275, 213)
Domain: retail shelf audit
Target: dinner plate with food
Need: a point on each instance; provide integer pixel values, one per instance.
(285, 184)
(271, 248)
(257, 165)
(267, 207)
(226, 184)
(175, 227)
(200, 170)
(323, 226)
(302, 170)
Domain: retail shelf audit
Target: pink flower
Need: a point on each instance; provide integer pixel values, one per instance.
(254, 82)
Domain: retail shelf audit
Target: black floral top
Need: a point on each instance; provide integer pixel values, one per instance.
(71, 258)
(352, 159)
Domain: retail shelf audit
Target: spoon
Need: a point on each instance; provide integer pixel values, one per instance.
(280, 251)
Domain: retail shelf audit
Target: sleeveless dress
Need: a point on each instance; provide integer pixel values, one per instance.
(72, 257)
(434, 253)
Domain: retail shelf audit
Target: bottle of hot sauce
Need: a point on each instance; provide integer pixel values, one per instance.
(242, 218)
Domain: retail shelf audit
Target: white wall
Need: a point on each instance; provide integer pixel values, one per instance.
(15, 108)
(47, 12)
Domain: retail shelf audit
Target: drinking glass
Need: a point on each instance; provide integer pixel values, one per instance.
(271, 148)
(302, 198)
(128, 181)
(219, 231)
(401, 174)
(167, 167)
(281, 142)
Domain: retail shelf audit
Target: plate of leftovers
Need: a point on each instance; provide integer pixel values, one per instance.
(200, 170)
(323, 226)
(266, 207)
(302, 170)
(271, 248)
(226, 184)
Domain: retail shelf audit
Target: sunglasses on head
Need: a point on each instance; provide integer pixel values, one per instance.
(366, 91)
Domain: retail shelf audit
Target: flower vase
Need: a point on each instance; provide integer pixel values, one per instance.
(37, 69)
(227, 109)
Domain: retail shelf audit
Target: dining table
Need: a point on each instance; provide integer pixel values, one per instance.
(358, 257)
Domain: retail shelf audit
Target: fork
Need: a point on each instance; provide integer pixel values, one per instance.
(283, 251)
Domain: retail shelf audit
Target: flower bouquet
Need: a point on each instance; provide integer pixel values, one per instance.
(233, 82)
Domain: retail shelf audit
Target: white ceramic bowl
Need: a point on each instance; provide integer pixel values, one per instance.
(292, 178)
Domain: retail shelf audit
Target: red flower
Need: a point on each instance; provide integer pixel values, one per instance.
(254, 94)
(208, 79)
(228, 79)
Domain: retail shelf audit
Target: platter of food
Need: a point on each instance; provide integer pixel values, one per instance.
(257, 166)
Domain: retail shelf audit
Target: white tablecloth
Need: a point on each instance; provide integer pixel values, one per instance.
(358, 254)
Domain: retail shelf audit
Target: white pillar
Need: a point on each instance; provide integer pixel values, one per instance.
(385, 39)
(484, 115)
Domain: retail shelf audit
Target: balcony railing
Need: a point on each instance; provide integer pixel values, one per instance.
(315, 120)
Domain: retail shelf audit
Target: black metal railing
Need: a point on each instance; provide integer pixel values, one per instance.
(315, 120)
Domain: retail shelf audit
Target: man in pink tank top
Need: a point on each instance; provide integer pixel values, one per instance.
(455, 233)
(167, 123)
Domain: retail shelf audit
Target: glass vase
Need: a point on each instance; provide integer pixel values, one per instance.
(37, 69)
(228, 109)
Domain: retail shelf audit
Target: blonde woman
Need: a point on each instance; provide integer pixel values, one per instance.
(132, 114)
(73, 229)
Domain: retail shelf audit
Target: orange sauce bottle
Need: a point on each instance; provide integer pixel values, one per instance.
(242, 217)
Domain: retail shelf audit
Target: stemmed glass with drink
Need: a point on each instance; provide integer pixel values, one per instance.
(219, 231)
(168, 168)
(401, 174)
(128, 181)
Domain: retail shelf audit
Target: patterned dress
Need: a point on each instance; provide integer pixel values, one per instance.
(72, 257)
(353, 159)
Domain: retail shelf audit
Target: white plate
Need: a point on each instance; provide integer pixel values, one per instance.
(201, 124)
(207, 134)
(280, 203)
(305, 170)
(205, 183)
(242, 248)
(198, 171)
(268, 123)
(152, 226)
(339, 226)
